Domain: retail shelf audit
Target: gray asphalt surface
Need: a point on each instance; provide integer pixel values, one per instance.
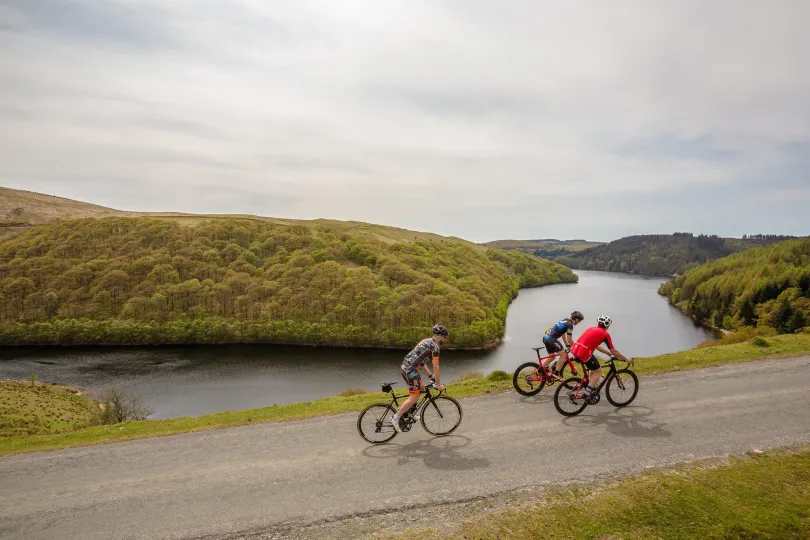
(254, 479)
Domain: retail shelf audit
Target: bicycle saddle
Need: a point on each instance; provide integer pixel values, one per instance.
(537, 349)
(386, 387)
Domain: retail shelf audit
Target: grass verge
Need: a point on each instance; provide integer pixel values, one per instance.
(778, 346)
(36, 409)
(756, 496)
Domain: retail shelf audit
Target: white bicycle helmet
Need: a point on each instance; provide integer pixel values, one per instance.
(604, 321)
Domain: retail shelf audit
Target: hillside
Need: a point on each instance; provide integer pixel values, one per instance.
(20, 209)
(190, 279)
(661, 254)
(767, 286)
(547, 248)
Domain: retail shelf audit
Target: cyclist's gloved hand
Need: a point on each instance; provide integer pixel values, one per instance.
(567, 349)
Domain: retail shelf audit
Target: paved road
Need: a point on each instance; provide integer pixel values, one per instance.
(257, 478)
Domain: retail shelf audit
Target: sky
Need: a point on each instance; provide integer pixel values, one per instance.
(484, 120)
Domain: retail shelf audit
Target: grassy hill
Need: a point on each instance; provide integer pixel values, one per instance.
(39, 409)
(766, 287)
(20, 209)
(548, 248)
(198, 279)
(661, 254)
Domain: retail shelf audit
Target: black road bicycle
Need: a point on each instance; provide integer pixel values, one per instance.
(621, 389)
(440, 415)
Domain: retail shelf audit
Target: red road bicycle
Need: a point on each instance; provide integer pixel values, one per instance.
(621, 388)
(531, 377)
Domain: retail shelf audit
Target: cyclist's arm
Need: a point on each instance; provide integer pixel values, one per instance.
(424, 366)
(620, 356)
(568, 340)
(436, 372)
(604, 350)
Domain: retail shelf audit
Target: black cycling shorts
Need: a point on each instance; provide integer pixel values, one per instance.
(592, 363)
(552, 345)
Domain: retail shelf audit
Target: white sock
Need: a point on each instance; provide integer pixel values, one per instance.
(396, 417)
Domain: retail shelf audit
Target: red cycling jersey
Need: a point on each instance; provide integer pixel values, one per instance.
(589, 341)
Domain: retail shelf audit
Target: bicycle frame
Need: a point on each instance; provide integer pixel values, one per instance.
(428, 397)
(583, 381)
(546, 374)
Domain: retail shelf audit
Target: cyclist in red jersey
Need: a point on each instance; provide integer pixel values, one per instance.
(592, 340)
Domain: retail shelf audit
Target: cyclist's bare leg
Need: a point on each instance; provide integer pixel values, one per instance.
(560, 358)
(407, 404)
(593, 378)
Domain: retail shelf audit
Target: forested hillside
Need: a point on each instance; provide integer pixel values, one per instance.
(661, 254)
(768, 286)
(149, 281)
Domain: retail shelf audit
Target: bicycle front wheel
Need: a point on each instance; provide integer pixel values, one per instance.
(622, 388)
(441, 416)
(569, 399)
(527, 379)
(374, 423)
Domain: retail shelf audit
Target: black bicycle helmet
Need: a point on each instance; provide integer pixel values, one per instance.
(577, 315)
(440, 330)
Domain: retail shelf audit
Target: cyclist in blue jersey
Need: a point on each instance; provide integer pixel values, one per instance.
(414, 361)
(551, 340)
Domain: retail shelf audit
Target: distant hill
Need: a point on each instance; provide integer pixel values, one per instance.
(548, 248)
(20, 209)
(661, 254)
(763, 287)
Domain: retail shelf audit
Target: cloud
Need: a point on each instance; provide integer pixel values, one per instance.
(478, 120)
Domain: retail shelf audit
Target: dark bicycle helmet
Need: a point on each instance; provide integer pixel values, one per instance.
(440, 330)
(577, 315)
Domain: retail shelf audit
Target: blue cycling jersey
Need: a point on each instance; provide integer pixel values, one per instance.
(563, 326)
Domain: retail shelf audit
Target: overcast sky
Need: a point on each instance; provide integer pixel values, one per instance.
(485, 120)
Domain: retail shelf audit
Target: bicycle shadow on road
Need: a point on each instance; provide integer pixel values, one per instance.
(439, 453)
(537, 399)
(631, 421)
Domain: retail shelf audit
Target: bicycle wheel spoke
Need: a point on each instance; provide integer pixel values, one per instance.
(528, 379)
(569, 398)
(441, 416)
(374, 424)
(622, 388)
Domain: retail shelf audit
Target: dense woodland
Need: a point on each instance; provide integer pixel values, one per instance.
(150, 281)
(660, 254)
(768, 286)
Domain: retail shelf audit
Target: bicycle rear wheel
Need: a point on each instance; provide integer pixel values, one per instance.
(374, 423)
(441, 416)
(528, 380)
(568, 399)
(622, 388)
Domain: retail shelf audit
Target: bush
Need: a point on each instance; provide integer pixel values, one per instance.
(121, 406)
(746, 333)
(499, 375)
(352, 392)
(759, 342)
(471, 375)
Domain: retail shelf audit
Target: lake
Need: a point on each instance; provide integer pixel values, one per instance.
(190, 381)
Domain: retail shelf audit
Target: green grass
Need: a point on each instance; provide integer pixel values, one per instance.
(42, 409)
(758, 496)
(498, 381)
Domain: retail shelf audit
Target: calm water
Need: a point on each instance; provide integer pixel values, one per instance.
(185, 381)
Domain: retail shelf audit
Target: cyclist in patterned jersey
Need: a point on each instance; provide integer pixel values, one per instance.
(551, 340)
(592, 340)
(416, 360)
